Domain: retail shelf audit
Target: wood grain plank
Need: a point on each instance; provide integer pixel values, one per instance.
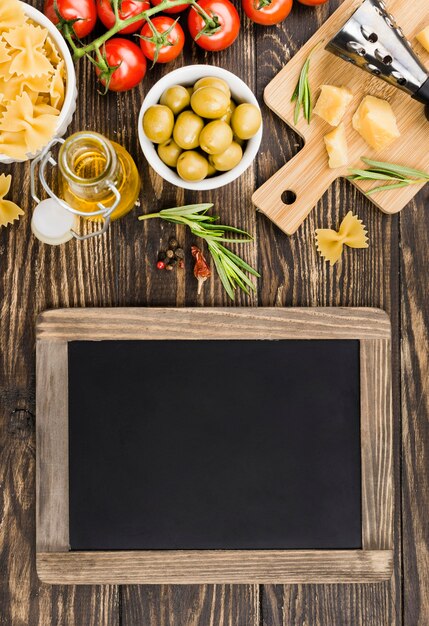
(52, 478)
(208, 566)
(376, 443)
(218, 323)
(191, 605)
(295, 275)
(415, 412)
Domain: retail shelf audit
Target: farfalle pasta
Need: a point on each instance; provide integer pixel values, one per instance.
(21, 116)
(9, 211)
(28, 56)
(32, 83)
(11, 14)
(351, 233)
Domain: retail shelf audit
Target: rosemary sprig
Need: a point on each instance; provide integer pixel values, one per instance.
(230, 267)
(398, 175)
(302, 92)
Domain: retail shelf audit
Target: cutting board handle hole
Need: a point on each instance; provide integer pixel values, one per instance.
(288, 196)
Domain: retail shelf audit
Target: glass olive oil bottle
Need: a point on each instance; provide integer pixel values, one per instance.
(89, 163)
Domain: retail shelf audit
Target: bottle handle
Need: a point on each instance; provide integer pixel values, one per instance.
(46, 158)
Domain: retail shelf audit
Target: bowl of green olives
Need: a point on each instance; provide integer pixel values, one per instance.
(200, 127)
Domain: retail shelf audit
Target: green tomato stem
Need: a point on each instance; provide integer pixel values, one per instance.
(120, 24)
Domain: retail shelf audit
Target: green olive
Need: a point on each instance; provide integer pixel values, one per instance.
(158, 122)
(246, 120)
(176, 98)
(187, 130)
(211, 81)
(227, 160)
(192, 166)
(230, 110)
(212, 170)
(169, 152)
(215, 137)
(209, 102)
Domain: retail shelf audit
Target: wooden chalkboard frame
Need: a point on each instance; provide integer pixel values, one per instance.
(56, 564)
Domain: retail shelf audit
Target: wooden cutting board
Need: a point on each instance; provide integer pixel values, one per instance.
(308, 174)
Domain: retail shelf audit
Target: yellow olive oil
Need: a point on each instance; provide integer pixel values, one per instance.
(88, 162)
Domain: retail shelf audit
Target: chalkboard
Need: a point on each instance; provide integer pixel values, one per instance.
(214, 445)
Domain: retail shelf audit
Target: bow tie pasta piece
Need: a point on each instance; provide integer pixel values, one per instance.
(41, 104)
(19, 117)
(56, 90)
(13, 146)
(11, 14)
(30, 60)
(352, 233)
(51, 51)
(4, 52)
(5, 60)
(17, 84)
(9, 211)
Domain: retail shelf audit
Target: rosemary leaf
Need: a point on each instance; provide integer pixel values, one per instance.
(387, 187)
(302, 92)
(241, 263)
(393, 167)
(229, 266)
(369, 174)
(379, 170)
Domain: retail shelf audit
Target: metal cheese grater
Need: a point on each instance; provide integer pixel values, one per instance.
(372, 40)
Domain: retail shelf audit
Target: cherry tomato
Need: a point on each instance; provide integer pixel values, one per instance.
(168, 46)
(130, 61)
(127, 8)
(178, 9)
(267, 12)
(82, 10)
(224, 15)
(312, 3)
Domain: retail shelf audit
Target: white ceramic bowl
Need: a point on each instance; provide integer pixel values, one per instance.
(188, 76)
(69, 105)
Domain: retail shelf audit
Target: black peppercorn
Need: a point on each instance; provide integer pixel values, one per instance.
(161, 255)
(180, 254)
(172, 244)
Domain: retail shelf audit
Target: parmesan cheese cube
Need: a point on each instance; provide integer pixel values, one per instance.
(332, 103)
(376, 122)
(336, 146)
(423, 38)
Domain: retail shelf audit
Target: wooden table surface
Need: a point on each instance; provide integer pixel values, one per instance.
(118, 269)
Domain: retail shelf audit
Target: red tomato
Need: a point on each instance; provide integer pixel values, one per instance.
(82, 10)
(267, 12)
(130, 61)
(224, 14)
(312, 3)
(127, 8)
(178, 9)
(169, 43)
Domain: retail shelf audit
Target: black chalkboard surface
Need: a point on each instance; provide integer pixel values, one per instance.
(214, 444)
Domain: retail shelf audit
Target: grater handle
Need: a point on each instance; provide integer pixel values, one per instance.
(422, 95)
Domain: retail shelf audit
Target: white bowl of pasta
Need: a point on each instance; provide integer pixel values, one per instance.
(38, 105)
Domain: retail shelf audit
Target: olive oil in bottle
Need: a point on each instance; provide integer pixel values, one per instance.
(89, 164)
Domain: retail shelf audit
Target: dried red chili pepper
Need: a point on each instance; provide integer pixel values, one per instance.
(201, 269)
